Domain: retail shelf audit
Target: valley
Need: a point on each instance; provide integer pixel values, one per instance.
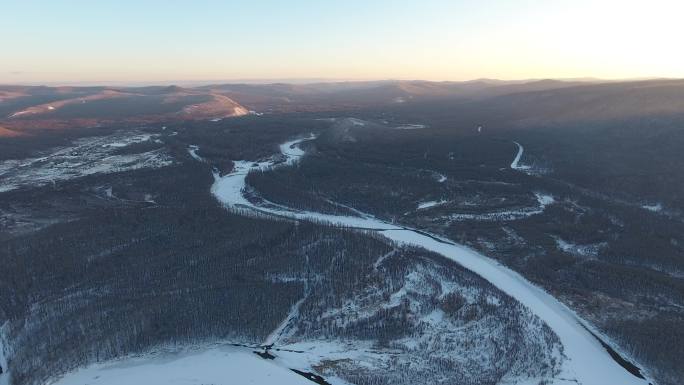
(378, 245)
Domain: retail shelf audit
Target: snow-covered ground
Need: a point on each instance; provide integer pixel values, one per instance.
(586, 361)
(357, 122)
(534, 169)
(4, 373)
(656, 208)
(587, 251)
(427, 205)
(516, 161)
(192, 150)
(410, 127)
(226, 365)
(87, 156)
(544, 200)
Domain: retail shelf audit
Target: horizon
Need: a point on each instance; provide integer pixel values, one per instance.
(157, 42)
(305, 81)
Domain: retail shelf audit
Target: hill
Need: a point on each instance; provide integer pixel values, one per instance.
(27, 109)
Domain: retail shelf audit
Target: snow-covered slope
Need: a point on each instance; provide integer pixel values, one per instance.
(217, 366)
(86, 156)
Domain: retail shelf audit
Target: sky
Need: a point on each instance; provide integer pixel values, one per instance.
(165, 41)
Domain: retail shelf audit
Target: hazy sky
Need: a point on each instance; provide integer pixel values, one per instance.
(166, 40)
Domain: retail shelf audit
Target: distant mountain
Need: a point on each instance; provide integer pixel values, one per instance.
(23, 109)
(594, 102)
(346, 95)
(4, 132)
(550, 103)
(483, 101)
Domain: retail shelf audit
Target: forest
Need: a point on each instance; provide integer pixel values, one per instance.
(138, 260)
(128, 261)
(607, 255)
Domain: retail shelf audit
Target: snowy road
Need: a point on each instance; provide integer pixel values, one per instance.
(587, 361)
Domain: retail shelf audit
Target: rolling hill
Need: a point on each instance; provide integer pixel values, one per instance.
(27, 109)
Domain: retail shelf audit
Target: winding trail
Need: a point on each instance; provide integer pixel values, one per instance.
(587, 361)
